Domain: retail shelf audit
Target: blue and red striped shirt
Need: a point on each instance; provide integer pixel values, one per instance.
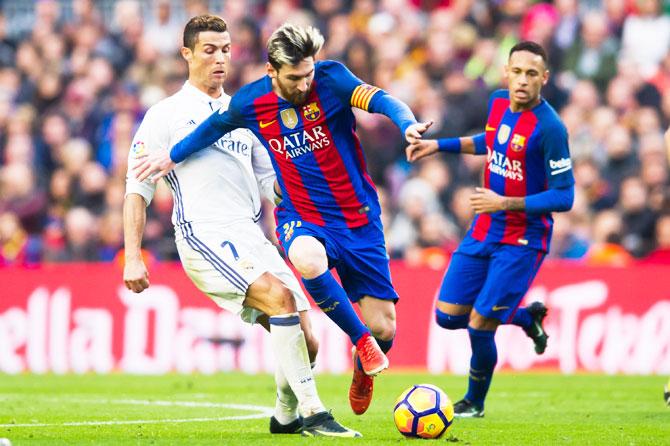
(527, 153)
(320, 165)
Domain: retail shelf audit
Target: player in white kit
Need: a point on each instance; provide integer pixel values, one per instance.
(217, 204)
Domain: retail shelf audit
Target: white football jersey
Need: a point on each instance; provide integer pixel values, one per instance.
(216, 186)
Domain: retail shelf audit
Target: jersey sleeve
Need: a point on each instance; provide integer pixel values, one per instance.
(263, 170)
(234, 113)
(557, 162)
(208, 132)
(152, 135)
(353, 92)
(347, 87)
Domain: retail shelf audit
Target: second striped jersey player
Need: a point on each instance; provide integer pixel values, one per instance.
(528, 175)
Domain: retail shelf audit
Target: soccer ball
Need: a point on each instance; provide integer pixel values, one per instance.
(423, 411)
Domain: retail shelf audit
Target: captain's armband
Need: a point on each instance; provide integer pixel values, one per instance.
(362, 95)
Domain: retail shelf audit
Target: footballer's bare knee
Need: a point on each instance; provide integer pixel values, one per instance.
(382, 326)
(269, 295)
(308, 256)
(480, 322)
(384, 330)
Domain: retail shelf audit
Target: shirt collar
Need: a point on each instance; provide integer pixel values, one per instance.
(203, 97)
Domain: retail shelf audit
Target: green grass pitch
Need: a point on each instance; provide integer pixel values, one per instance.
(523, 409)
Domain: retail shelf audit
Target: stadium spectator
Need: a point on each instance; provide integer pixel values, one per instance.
(594, 56)
(435, 241)
(566, 33)
(460, 210)
(661, 79)
(621, 161)
(598, 193)
(17, 247)
(661, 252)
(638, 219)
(416, 199)
(163, 31)
(110, 236)
(22, 196)
(606, 235)
(566, 243)
(646, 36)
(79, 238)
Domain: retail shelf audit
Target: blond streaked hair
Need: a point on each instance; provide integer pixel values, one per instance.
(290, 44)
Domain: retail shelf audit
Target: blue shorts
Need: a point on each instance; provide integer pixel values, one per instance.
(358, 255)
(491, 277)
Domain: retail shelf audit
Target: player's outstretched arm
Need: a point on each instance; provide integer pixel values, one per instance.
(160, 163)
(421, 148)
(135, 274)
(207, 133)
(474, 145)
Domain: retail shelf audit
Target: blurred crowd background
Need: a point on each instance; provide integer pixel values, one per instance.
(77, 76)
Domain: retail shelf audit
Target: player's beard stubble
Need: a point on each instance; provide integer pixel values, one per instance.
(295, 97)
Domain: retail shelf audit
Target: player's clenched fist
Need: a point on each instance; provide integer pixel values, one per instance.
(136, 276)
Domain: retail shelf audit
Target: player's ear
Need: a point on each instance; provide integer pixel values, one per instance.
(271, 70)
(505, 72)
(545, 77)
(186, 53)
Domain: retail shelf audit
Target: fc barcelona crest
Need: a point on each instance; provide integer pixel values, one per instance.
(518, 142)
(311, 111)
(289, 118)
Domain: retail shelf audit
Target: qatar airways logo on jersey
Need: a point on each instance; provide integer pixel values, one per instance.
(299, 143)
(500, 164)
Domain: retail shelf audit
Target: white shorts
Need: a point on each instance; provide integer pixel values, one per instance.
(224, 262)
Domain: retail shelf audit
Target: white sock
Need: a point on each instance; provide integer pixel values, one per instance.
(286, 406)
(289, 345)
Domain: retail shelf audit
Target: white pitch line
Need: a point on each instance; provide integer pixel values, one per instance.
(263, 411)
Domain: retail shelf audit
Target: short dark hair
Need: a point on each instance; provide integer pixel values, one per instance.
(531, 47)
(200, 23)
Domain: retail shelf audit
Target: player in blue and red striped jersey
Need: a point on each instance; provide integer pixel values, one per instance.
(329, 216)
(528, 175)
